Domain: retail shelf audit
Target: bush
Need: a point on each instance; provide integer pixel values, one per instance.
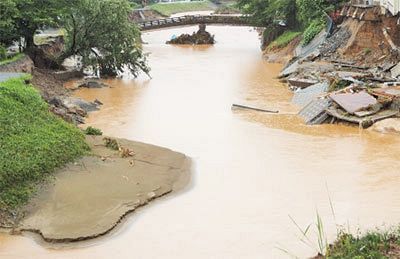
(93, 131)
(33, 142)
(312, 30)
(3, 52)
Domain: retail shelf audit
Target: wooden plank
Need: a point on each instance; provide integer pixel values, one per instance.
(253, 108)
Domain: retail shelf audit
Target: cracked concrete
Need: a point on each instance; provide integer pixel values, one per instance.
(91, 196)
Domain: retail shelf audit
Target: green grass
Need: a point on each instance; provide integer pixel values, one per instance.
(93, 131)
(33, 142)
(12, 59)
(283, 40)
(168, 9)
(312, 31)
(374, 244)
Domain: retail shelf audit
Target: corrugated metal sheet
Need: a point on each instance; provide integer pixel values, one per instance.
(315, 111)
(305, 96)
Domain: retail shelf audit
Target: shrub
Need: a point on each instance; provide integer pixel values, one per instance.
(33, 142)
(93, 131)
(3, 52)
(312, 30)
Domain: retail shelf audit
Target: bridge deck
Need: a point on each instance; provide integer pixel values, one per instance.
(193, 19)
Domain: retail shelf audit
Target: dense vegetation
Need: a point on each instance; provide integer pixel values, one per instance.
(278, 16)
(33, 142)
(171, 8)
(99, 31)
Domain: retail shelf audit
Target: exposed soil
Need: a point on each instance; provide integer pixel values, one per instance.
(91, 196)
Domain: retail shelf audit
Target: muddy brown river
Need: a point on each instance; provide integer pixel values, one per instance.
(251, 170)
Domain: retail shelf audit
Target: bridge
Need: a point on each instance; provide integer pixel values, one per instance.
(194, 19)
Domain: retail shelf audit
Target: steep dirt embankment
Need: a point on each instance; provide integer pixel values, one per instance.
(24, 65)
(282, 55)
(366, 36)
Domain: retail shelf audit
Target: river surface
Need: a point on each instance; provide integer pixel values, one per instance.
(251, 170)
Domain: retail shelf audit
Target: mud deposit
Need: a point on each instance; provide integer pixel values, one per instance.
(89, 197)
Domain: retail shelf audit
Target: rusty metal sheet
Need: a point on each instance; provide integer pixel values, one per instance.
(353, 102)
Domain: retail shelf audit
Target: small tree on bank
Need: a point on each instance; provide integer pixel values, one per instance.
(97, 30)
(101, 33)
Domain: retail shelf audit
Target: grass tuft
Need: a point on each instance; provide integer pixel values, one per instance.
(93, 131)
(283, 40)
(14, 58)
(33, 142)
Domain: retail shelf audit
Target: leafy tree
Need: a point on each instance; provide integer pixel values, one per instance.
(101, 33)
(8, 14)
(295, 14)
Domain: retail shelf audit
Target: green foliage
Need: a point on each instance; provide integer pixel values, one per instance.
(8, 28)
(371, 245)
(269, 12)
(367, 51)
(33, 142)
(227, 9)
(168, 9)
(100, 32)
(11, 59)
(25, 17)
(311, 10)
(93, 131)
(3, 53)
(283, 40)
(312, 30)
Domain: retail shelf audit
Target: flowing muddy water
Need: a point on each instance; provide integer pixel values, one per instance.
(251, 170)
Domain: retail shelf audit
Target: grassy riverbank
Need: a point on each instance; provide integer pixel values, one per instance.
(33, 142)
(12, 59)
(168, 9)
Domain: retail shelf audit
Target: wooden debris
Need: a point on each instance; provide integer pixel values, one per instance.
(253, 108)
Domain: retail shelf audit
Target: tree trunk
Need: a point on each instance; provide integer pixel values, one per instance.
(39, 57)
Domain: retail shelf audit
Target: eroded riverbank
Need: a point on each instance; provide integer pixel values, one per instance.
(92, 195)
(252, 170)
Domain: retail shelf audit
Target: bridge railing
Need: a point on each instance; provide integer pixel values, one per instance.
(192, 19)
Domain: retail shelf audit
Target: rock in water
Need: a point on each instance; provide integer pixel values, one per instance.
(197, 38)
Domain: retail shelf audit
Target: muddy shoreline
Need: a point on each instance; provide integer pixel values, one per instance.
(57, 214)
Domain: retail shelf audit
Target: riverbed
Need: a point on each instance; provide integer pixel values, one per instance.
(252, 172)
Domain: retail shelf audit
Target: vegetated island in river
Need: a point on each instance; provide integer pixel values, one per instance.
(196, 38)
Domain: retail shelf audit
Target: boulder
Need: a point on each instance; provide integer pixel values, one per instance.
(391, 125)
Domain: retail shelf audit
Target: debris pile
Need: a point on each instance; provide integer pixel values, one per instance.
(197, 38)
(72, 109)
(352, 76)
(348, 100)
